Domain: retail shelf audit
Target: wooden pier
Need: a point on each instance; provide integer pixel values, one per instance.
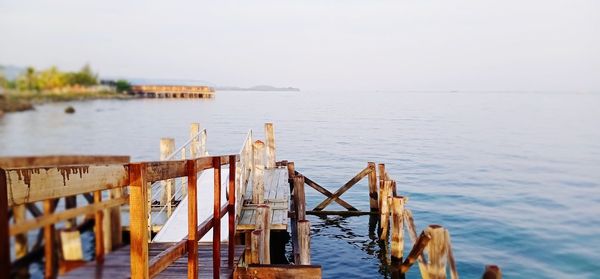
(172, 91)
(258, 197)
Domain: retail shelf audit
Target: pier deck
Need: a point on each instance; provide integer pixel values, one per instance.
(117, 265)
(277, 195)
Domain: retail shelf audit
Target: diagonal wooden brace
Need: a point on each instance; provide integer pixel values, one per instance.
(343, 189)
(328, 194)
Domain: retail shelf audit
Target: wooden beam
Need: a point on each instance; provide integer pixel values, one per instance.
(45, 220)
(217, 221)
(278, 271)
(163, 260)
(162, 170)
(138, 214)
(437, 249)
(384, 216)
(263, 222)
(299, 197)
(21, 240)
(192, 242)
(26, 185)
(54, 160)
(341, 213)
(397, 229)
(167, 146)
(258, 180)
(99, 233)
(412, 233)
(270, 148)
(416, 252)
(257, 250)
(328, 194)
(343, 189)
(304, 242)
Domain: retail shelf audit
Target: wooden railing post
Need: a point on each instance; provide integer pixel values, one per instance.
(167, 147)
(195, 145)
(138, 207)
(300, 199)
(270, 138)
(397, 229)
(49, 243)
(231, 209)
(258, 181)
(4, 235)
(304, 241)
(99, 231)
(437, 249)
(373, 196)
(217, 218)
(21, 247)
(192, 242)
(116, 237)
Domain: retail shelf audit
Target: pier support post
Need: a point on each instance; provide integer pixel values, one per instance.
(4, 225)
(304, 241)
(21, 247)
(258, 181)
(192, 242)
(437, 249)
(263, 222)
(381, 172)
(98, 229)
(384, 216)
(167, 146)
(397, 229)
(195, 144)
(270, 138)
(49, 243)
(257, 247)
(300, 199)
(373, 196)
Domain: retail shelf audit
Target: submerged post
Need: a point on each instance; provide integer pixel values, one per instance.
(438, 251)
(492, 272)
(258, 181)
(373, 196)
(270, 138)
(167, 146)
(397, 229)
(304, 241)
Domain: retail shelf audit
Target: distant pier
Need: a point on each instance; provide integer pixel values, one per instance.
(172, 91)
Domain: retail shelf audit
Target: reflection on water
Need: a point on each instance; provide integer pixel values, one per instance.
(513, 176)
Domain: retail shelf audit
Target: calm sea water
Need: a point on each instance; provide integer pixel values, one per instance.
(513, 176)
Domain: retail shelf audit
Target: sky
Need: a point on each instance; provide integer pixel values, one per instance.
(551, 45)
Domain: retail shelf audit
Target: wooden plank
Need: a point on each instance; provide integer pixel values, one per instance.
(45, 220)
(276, 271)
(217, 220)
(192, 242)
(304, 242)
(26, 185)
(162, 261)
(258, 181)
(263, 222)
(328, 194)
(54, 160)
(4, 223)
(257, 251)
(270, 148)
(138, 214)
(163, 170)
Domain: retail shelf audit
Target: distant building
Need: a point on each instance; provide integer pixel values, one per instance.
(172, 91)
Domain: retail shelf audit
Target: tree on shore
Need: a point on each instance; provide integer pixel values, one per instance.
(122, 86)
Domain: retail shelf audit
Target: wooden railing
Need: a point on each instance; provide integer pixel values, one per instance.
(20, 186)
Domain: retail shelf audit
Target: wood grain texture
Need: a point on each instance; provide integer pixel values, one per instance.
(276, 271)
(397, 229)
(437, 249)
(373, 195)
(138, 214)
(344, 188)
(192, 242)
(270, 145)
(4, 223)
(55, 160)
(217, 221)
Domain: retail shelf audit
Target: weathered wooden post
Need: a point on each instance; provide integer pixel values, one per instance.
(492, 272)
(138, 214)
(4, 225)
(49, 244)
(381, 173)
(384, 216)
(98, 230)
(412, 233)
(257, 247)
(263, 223)
(300, 198)
(416, 254)
(195, 144)
(270, 138)
(216, 164)
(258, 181)
(373, 196)
(304, 241)
(113, 223)
(397, 229)
(437, 249)
(167, 147)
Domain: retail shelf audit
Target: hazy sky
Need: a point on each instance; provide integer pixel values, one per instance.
(385, 45)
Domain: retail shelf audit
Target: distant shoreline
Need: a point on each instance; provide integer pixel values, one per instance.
(257, 88)
(23, 101)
